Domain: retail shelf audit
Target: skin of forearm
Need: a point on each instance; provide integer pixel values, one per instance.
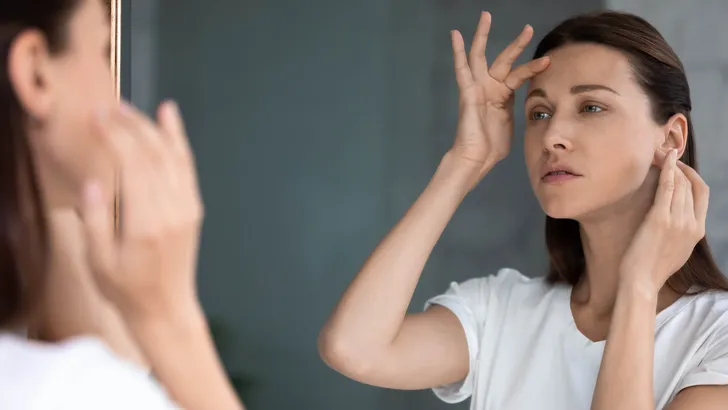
(371, 311)
(625, 378)
(183, 358)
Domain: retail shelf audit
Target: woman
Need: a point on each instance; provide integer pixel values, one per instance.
(64, 138)
(633, 313)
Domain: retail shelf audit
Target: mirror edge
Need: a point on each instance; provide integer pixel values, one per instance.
(115, 64)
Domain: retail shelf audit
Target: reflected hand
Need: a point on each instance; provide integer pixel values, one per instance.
(672, 227)
(485, 125)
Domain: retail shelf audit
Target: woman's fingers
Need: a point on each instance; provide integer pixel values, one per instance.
(98, 228)
(473, 67)
(173, 129)
(463, 76)
(185, 175)
(666, 185)
(689, 207)
(525, 72)
(700, 193)
(504, 62)
(478, 63)
(143, 130)
(148, 170)
(677, 207)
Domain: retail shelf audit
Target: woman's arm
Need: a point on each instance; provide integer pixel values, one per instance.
(368, 336)
(701, 398)
(662, 244)
(183, 356)
(625, 376)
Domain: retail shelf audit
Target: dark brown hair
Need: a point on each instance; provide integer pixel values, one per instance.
(661, 75)
(24, 240)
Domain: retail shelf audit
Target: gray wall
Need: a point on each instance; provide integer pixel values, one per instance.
(316, 124)
(127, 28)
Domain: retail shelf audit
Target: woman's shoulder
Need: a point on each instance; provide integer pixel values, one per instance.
(508, 280)
(36, 357)
(708, 307)
(81, 373)
(506, 286)
(30, 370)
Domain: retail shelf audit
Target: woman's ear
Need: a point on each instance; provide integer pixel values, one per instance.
(675, 134)
(29, 73)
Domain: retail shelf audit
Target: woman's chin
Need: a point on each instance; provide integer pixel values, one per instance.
(562, 209)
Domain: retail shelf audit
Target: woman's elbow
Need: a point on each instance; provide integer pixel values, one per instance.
(344, 356)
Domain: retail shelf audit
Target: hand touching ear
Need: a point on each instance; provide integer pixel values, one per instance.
(672, 227)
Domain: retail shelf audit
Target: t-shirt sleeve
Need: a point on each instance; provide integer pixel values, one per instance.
(97, 379)
(469, 301)
(713, 369)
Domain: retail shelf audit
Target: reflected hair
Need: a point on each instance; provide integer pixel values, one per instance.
(659, 72)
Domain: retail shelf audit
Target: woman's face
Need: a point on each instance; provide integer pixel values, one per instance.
(62, 93)
(586, 115)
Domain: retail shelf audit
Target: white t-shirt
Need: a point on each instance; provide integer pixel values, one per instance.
(527, 353)
(78, 374)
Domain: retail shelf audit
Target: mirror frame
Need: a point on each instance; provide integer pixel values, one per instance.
(115, 56)
(115, 64)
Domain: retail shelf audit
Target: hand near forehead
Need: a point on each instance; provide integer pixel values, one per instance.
(485, 125)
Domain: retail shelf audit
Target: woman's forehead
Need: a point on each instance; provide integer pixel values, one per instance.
(584, 64)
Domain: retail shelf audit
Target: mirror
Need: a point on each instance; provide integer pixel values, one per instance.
(115, 64)
(115, 56)
(315, 126)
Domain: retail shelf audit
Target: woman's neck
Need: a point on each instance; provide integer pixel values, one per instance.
(605, 238)
(604, 242)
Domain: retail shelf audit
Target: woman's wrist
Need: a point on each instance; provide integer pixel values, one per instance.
(463, 172)
(638, 285)
(182, 317)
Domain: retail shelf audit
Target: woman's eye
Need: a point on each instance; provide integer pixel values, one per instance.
(592, 108)
(539, 115)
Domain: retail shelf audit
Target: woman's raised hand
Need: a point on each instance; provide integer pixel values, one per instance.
(485, 125)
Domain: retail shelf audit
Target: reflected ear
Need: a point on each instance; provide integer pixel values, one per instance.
(675, 134)
(29, 73)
